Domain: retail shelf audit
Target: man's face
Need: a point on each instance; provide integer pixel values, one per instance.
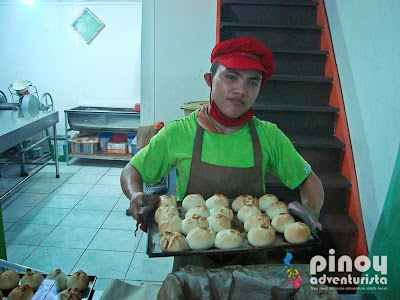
(235, 91)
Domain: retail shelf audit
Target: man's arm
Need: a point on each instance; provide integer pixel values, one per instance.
(312, 194)
(132, 186)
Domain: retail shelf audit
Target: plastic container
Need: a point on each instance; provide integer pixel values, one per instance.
(129, 140)
(104, 139)
(132, 146)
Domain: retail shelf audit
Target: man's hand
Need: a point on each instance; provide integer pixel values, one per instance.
(136, 202)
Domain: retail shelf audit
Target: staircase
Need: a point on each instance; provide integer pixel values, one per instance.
(299, 98)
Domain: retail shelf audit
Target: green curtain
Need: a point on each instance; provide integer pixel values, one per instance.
(386, 241)
(3, 253)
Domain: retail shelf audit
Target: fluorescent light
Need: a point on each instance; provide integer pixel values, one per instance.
(28, 1)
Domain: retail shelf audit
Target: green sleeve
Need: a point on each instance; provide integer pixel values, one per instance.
(153, 162)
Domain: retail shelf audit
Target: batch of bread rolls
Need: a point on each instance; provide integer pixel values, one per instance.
(208, 223)
(69, 287)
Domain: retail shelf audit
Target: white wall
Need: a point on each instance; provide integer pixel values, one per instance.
(39, 44)
(366, 42)
(177, 39)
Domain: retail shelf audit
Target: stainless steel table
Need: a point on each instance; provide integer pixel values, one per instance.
(14, 131)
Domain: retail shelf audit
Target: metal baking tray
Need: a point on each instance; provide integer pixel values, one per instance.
(154, 236)
(48, 288)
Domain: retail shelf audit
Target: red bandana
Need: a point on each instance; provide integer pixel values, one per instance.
(218, 116)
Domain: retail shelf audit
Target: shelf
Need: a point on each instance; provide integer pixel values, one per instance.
(102, 155)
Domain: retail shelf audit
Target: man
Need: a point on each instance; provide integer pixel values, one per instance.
(224, 148)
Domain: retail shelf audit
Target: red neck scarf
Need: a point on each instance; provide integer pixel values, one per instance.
(218, 116)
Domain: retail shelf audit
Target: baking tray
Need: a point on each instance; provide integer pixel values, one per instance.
(280, 243)
(48, 289)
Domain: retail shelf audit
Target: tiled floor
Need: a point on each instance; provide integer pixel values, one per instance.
(77, 222)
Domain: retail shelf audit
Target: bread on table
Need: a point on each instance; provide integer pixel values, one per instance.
(219, 222)
(266, 200)
(9, 279)
(21, 292)
(217, 200)
(32, 278)
(276, 208)
(172, 224)
(59, 277)
(167, 200)
(173, 242)
(282, 221)
(201, 238)
(261, 235)
(192, 200)
(246, 211)
(256, 219)
(223, 210)
(243, 200)
(228, 239)
(79, 280)
(297, 233)
(192, 222)
(70, 294)
(163, 211)
(198, 210)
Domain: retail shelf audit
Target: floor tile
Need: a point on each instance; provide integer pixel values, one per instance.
(110, 180)
(27, 234)
(105, 264)
(14, 213)
(142, 247)
(140, 282)
(49, 177)
(8, 183)
(101, 284)
(97, 203)
(25, 199)
(41, 188)
(84, 178)
(60, 201)
(18, 253)
(63, 168)
(44, 215)
(145, 268)
(114, 171)
(48, 259)
(70, 237)
(119, 220)
(85, 218)
(7, 225)
(122, 204)
(115, 240)
(85, 170)
(73, 189)
(105, 191)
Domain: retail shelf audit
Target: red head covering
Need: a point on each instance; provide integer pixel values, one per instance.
(244, 53)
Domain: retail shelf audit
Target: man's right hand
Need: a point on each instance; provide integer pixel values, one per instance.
(135, 203)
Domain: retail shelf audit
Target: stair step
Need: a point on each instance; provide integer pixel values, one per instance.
(296, 90)
(300, 63)
(316, 142)
(297, 2)
(275, 36)
(273, 13)
(294, 108)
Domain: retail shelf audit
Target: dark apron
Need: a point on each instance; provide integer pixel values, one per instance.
(207, 180)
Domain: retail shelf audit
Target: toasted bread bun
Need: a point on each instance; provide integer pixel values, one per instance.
(219, 222)
(192, 200)
(246, 211)
(223, 210)
(228, 239)
(201, 238)
(243, 200)
(59, 277)
(282, 221)
(167, 200)
(163, 211)
(173, 242)
(297, 233)
(22, 292)
(276, 209)
(192, 222)
(79, 280)
(256, 219)
(198, 210)
(70, 294)
(266, 200)
(217, 200)
(174, 224)
(9, 279)
(261, 235)
(33, 279)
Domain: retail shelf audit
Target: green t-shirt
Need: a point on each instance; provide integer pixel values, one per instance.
(173, 147)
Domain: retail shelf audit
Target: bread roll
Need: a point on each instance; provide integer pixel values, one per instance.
(22, 292)
(33, 279)
(276, 209)
(217, 200)
(79, 280)
(192, 200)
(297, 233)
(163, 211)
(70, 294)
(266, 200)
(9, 279)
(193, 222)
(243, 200)
(254, 220)
(246, 211)
(282, 221)
(172, 224)
(60, 279)
(219, 222)
(228, 239)
(201, 238)
(198, 210)
(167, 200)
(173, 242)
(261, 235)
(223, 210)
